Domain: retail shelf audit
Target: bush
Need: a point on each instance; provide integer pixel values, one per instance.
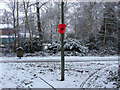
(69, 45)
(36, 45)
(109, 47)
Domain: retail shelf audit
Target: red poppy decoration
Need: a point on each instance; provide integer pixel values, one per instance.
(61, 28)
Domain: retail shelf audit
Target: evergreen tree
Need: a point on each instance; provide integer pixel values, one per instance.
(109, 26)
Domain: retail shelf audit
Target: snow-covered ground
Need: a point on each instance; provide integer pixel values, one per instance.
(90, 74)
(57, 58)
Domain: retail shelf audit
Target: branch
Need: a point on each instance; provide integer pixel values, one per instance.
(32, 4)
(43, 4)
(27, 3)
(36, 3)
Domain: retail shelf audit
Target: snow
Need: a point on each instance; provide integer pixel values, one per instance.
(25, 75)
(19, 48)
(6, 36)
(27, 34)
(58, 58)
(91, 74)
(100, 78)
(6, 26)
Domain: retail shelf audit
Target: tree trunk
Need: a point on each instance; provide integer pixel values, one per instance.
(25, 30)
(39, 25)
(28, 25)
(51, 33)
(90, 21)
(8, 33)
(118, 28)
(96, 17)
(18, 25)
(32, 23)
(105, 32)
(14, 27)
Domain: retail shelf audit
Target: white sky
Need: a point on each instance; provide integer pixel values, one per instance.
(2, 5)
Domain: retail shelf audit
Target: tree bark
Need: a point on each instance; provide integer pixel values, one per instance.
(105, 32)
(18, 24)
(14, 27)
(28, 25)
(39, 25)
(51, 33)
(90, 20)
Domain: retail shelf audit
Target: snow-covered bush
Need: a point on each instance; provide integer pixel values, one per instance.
(109, 47)
(36, 46)
(69, 45)
(55, 46)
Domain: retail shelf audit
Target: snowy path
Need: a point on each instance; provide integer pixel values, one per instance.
(99, 78)
(57, 59)
(92, 75)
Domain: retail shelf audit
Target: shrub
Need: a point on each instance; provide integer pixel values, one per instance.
(36, 45)
(69, 45)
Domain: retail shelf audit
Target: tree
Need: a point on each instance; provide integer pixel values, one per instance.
(18, 24)
(39, 22)
(109, 26)
(82, 18)
(14, 26)
(28, 23)
(12, 6)
(90, 19)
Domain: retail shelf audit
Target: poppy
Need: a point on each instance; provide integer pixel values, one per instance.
(61, 28)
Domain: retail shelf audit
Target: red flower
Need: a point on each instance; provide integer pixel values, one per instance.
(61, 28)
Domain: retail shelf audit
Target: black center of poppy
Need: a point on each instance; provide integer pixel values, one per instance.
(62, 28)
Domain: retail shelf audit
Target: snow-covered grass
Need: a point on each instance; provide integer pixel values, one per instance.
(77, 74)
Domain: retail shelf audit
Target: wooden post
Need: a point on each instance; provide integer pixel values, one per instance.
(62, 43)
